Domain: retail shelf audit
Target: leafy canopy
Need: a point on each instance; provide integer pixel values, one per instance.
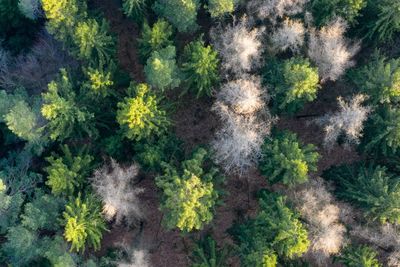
(286, 160)
(189, 194)
(220, 8)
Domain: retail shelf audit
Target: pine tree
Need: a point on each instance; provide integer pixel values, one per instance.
(189, 194)
(285, 159)
(66, 174)
(84, 224)
(65, 115)
(181, 13)
(161, 71)
(200, 67)
(371, 188)
(275, 231)
(154, 38)
(359, 256)
(139, 117)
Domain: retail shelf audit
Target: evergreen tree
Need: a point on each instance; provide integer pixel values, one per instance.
(139, 117)
(154, 38)
(99, 80)
(161, 71)
(207, 254)
(10, 206)
(285, 159)
(325, 10)
(275, 231)
(373, 189)
(295, 83)
(66, 174)
(84, 224)
(135, 9)
(358, 256)
(189, 194)
(220, 8)
(181, 13)
(379, 79)
(64, 114)
(200, 67)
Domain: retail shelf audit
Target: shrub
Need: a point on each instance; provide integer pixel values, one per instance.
(275, 231)
(295, 83)
(189, 194)
(161, 70)
(135, 9)
(359, 256)
(371, 188)
(326, 10)
(61, 108)
(84, 225)
(239, 47)
(348, 122)
(93, 40)
(113, 184)
(220, 8)
(154, 38)
(66, 174)
(285, 159)
(382, 132)
(181, 13)
(139, 117)
(290, 36)
(200, 67)
(379, 79)
(330, 51)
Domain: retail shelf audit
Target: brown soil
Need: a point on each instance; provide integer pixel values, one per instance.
(195, 124)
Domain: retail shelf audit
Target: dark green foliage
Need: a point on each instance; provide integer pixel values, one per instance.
(200, 67)
(84, 223)
(286, 160)
(358, 256)
(10, 206)
(294, 82)
(189, 193)
(371, 188)
(379, 79)
(135, 9)
(326, 10)
(66, 116)
(382, 132)
(275, 231)
(207, 254)
(66, 174)
(154, 38)
(181, 13)
(16, 31)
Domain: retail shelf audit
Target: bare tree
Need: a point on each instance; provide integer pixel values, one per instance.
(321, 212)
(348, 121)
(239, 46)
(289, 36)
(330, 51)
(138, 258)
(273, 9)
(113, 184)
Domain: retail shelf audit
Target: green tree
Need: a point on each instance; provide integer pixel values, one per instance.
(139, 116)
(326, 10)
(65, 115)
(63, 16)
(161, 70)
(66, 174)
(358, 256)
(275, 231)
(154, 38)
(189, 194)
(285, 159)
(135, 9)
(379, 79)
(295, 83)
(200, 67)
(94, 41)
(371, 188)
(207, 254)
(10, 206)
(382, 132)
(220, 8)
(84, 224)
(181, 13)
(99, 80)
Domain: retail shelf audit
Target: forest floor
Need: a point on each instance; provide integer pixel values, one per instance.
(195, 124)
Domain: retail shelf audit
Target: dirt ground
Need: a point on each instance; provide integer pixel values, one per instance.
(195, 124)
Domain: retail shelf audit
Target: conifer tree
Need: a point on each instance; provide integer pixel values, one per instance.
(220, 8)
(135, 9)
(359, 256)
